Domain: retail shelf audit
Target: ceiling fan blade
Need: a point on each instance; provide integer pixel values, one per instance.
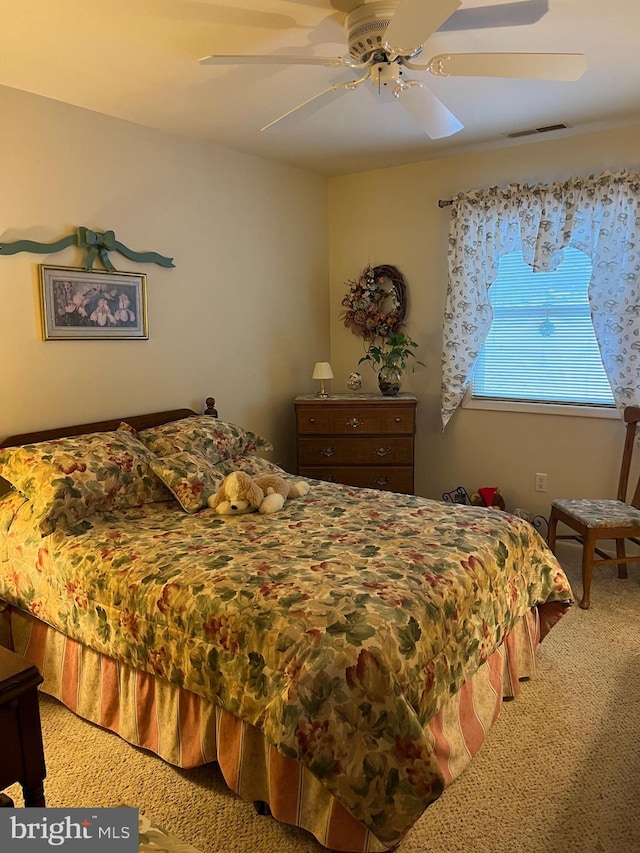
(313, 104)
(429, 111)
(517, 14)
(414, 21)
(274, 59)
(533, 66)
(236, 17)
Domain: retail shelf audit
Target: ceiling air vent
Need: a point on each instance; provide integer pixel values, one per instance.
(533, 130)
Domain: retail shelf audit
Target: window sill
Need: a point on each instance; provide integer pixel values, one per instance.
(470, 402)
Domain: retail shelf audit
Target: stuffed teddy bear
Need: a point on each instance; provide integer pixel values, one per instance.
(241, 493)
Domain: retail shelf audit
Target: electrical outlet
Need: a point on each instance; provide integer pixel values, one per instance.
(541, 482)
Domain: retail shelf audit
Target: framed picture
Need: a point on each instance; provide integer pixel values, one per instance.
(88, 305)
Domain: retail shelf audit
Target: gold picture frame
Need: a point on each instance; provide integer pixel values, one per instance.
(86, 305)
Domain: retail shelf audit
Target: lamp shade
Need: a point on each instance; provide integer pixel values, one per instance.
(322, 370)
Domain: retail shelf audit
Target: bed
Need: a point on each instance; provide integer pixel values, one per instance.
(341, 659)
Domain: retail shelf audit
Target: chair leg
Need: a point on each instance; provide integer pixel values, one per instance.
(551, 534)
(620, 552)
(588, 549)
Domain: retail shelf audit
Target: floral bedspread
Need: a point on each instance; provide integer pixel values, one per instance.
(338, 625)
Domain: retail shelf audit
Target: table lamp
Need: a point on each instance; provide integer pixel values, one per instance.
(322, 371)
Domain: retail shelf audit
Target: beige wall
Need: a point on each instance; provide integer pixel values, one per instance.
(392, 217)
(243, 316)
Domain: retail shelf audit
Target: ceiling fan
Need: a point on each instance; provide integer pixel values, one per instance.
(384, 39)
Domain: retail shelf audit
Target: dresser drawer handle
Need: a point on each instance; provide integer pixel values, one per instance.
(398, 420)
(354, 423)
(328, 451)
(382, 451)
(312, 420)
(381, 481)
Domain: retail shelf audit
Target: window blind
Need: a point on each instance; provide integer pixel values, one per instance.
(541, 346)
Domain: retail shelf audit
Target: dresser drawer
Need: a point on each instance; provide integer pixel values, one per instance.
(374, 450)
(338, 420)
(388, 479)
(399, 419)
(355, 420)
(313, 420)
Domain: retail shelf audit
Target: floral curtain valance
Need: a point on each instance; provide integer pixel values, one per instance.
(598, 215)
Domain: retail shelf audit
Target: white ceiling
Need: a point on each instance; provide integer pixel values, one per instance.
(138, 60)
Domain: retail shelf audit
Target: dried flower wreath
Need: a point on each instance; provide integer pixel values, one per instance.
(375, 303)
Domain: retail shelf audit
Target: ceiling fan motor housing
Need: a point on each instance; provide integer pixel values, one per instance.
(366, 26)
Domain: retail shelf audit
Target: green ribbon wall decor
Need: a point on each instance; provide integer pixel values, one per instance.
(96, 244)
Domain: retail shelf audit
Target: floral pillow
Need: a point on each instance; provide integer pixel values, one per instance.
(202, 434)
(68, 479)
(190, 476)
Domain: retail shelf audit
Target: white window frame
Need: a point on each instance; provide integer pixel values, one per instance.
(471, 402)
(537, 407)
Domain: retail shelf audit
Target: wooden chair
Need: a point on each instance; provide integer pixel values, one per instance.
(603, 519)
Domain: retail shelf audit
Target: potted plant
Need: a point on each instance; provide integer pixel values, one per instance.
(390, 359)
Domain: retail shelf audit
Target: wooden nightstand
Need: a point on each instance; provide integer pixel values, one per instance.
(21, 754)
(357, 439)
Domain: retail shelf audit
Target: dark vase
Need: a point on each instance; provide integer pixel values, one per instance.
(389, 379)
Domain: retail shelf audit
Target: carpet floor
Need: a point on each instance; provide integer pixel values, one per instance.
(559, 771)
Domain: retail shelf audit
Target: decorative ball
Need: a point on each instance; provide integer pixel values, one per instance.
(354, 382)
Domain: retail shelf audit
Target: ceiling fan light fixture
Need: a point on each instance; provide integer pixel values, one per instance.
(385, 74)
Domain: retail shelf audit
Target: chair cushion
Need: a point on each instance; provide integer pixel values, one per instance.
(599, 513)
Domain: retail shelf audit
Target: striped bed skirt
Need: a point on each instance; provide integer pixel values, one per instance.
(187, 730)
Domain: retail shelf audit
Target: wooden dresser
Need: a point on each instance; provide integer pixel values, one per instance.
(357, 439)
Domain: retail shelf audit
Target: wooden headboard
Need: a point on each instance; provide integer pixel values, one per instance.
(138, 422)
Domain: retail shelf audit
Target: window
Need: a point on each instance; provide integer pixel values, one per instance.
(541, 347)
